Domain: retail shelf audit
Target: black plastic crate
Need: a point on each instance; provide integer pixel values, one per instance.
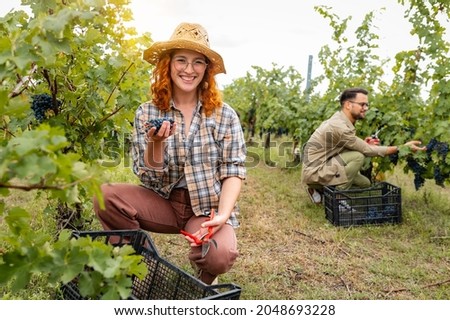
(379, 204)
(164, 280)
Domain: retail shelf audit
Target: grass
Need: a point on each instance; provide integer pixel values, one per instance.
(288, 250)
(297, 254)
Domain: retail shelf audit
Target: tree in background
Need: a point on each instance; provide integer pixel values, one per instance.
(268, 101)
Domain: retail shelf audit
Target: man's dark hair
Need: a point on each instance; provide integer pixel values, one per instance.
(350, 94)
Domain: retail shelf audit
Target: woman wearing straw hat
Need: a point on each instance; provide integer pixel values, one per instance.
(190, 167)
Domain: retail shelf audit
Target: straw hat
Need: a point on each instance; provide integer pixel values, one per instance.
(190, 36)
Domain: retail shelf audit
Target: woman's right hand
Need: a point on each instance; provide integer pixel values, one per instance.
(154, 155)
(164, 132)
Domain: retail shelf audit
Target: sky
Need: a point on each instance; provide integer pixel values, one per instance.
(263, 32)
(260, 33)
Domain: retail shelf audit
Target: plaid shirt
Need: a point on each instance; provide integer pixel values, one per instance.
(214, 150)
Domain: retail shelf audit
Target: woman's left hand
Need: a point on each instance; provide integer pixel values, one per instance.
(216, 222)
(208, 227)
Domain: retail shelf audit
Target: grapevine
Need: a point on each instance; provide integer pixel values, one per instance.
(418, 170)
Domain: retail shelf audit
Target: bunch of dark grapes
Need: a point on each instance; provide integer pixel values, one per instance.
(440, 147)
(157, 123)
(430, 146)
(373, 213)
(390, 210)
(394, 158)
(438, 176)
(40, 104)
(443, 150)
(418, 170)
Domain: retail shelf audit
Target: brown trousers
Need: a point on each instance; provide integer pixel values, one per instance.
(129, 206)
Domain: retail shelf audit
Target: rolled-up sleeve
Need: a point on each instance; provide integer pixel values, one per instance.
(234, 151)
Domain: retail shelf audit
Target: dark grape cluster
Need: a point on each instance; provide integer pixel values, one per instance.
(40, 104)
(438, 176)
(373, 213)
(157, 123)
(390, 210)
(394, 158)
(376, 213)
(431, 167)
(440, 147)
(418, 170)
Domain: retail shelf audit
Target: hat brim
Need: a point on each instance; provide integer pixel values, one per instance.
(153, 54)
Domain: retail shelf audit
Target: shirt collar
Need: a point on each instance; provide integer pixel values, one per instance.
(347, 120)
(197, 107)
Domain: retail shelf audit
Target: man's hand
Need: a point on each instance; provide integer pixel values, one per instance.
(372, 141)
(414, 145)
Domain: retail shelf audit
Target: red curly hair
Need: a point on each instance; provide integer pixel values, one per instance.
(161, 87)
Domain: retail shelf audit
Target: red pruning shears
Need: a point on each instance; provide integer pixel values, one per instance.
(205, 239)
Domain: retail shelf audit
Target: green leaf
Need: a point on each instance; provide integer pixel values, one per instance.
(24, 57)
(21, 278)
(94, 36)
(18, 106)
(57, 23)
(5, 44)
(7, 269)
(113, 267)
(18, 220)
(403, 151)
(87, 284)
(70, 272)
(99, 259)
(110, 293)
(124, 286)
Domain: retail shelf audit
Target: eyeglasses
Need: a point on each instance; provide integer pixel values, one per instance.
(181, 64)
(361, 104)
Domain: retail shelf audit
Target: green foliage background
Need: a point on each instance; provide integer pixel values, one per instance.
(82, 54)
